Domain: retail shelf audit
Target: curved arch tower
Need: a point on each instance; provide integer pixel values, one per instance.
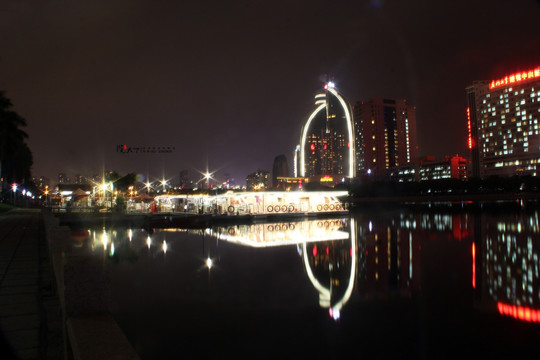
(327, 139)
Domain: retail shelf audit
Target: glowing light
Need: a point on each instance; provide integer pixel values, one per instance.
(164, 246)
(209, 263)
(334, 313)
(104, 240)
(149, 241)
(516, 78)
(523, 313)
(473, 265)
(130, 234)
(331, 84)
(350, 130)
(315, 251)
(469, 127)
(112, 250)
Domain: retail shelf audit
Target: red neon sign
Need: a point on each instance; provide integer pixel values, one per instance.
(516, 78)
(469, 127)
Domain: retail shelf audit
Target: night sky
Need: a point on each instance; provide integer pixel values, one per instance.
(229, 84)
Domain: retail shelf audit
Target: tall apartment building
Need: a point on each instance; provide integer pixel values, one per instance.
(502, 120)
(385, 131)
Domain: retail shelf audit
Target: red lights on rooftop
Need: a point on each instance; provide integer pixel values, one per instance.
(515, 78)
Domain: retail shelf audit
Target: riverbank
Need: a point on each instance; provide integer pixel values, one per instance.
(53, 299)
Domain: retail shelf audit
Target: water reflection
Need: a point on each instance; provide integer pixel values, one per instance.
(368, 256)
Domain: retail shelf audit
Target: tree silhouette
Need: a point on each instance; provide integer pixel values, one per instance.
(15, 155)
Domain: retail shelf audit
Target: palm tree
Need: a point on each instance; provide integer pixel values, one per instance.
(15, 155)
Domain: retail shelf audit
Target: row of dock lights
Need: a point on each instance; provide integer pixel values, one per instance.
(25, 193)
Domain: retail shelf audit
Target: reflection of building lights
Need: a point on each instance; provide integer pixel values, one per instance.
(149, 241)
(112, 249)
(104, 240)
(519, 312)
(473, 265)
(334, 313)
(130, 234)
(164, 246)
(209, 263)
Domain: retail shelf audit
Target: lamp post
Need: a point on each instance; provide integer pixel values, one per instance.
(14, 188)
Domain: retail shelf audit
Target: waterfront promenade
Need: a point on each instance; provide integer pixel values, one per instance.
(30, 316)
(53, 302)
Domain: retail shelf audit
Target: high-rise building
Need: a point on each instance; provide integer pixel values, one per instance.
(327, 140)
(280, 168)
(259, 180)
(385, 136)
(502, 120)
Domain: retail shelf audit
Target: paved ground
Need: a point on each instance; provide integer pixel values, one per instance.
(30, 316)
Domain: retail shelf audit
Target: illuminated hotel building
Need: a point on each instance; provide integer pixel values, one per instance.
(502, 120)
(327, 142)
(385, 136)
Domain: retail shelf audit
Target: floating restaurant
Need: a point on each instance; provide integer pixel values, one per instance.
(256, 203)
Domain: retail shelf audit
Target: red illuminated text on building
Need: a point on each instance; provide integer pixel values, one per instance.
(515, 78)
(469, 126)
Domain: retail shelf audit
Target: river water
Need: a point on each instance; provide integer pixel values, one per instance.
(415, 281)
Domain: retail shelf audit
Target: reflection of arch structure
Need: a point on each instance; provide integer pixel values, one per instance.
(326, 294)
(320, 232)
(323, 100)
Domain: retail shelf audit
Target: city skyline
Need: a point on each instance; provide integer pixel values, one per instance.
(228, 87)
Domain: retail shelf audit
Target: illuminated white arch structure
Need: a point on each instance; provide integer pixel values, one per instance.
(322, 102)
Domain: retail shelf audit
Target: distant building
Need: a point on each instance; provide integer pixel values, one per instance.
(327, 139)
(404, 173)
(502, 120)
(79, 179)
(259, 180)
(42, 182)
(451, 167)
(62, 178)
(184, 179)
(385, 131)
(279, 169)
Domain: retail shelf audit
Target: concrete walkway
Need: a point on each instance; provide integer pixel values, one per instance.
(30, 315)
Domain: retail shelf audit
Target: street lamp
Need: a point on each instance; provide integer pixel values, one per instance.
(164, 184)
(14, 188)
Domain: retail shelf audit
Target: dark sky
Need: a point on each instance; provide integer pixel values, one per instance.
(230, 83)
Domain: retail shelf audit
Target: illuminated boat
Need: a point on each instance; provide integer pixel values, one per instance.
(286, 203)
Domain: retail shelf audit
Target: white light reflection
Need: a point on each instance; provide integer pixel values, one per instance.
(164, 246)
(149, 241)
(209, 263)
(104, 240)
(130, 235)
